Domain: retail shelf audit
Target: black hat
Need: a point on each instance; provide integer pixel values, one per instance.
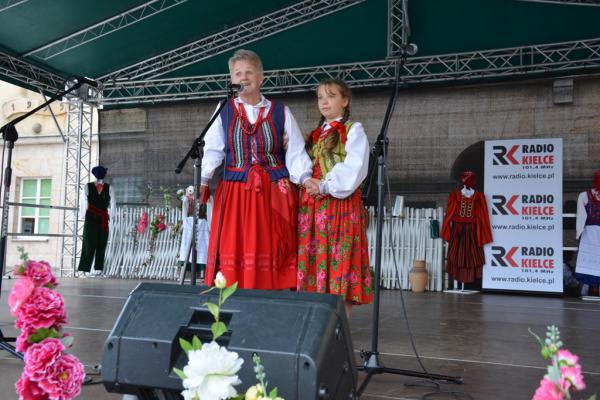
(99, 172)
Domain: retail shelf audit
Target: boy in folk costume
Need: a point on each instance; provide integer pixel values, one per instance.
(253, 229)
(333, 250)
(94, 205)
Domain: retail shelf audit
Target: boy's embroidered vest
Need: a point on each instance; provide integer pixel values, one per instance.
(324, 159)
(267, 139)
(98, 203)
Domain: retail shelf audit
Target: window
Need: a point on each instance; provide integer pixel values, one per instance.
(33, 219)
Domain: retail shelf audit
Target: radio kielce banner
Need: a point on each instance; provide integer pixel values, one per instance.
(523, 188)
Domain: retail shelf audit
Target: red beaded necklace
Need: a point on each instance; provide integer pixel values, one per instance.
(245, 124)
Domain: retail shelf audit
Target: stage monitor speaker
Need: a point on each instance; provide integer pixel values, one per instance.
(303, 340)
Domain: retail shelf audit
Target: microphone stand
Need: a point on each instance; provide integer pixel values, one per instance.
(372, 364)
(196, 152)
(10, 136)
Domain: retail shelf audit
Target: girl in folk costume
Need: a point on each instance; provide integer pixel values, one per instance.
(466, 228)
(332, 244)
(588, 231)
(253, 237)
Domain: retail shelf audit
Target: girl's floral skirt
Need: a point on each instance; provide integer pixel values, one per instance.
(254, 226)
(333, 252)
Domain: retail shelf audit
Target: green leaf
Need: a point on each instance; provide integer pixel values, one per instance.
(540, 341)
(229, 291)
(273, 393)
(185, 345)
(213, 308)
(41, 334)
(208, 290)
(218, 329)
(196, 343)
(593, 397)
(179, 373)
(67, 341)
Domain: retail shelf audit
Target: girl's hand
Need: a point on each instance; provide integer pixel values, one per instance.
(311, 186)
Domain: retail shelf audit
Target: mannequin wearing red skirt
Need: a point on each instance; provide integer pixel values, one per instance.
(466, 228)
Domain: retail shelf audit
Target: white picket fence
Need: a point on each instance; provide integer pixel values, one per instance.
(408, 240)
(127, 259)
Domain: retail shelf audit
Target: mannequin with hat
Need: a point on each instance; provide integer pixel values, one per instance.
(202, 229)
(467, 229)
(587, 270)
(95, 205)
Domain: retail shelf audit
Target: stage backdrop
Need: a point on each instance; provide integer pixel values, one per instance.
(523, 187)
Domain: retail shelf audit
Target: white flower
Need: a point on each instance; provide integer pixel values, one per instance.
(220, 281)
(211, 373)
(254, 392)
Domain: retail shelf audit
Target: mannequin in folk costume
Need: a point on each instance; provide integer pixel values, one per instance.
(95, 205)
(202, 229)
(466, 228)
(588, 232)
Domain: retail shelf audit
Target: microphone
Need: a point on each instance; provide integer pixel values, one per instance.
(83, 80)
(236, 87)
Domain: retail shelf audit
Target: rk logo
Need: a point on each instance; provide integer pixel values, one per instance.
(502, 206)
(502, 258)
(504, 156)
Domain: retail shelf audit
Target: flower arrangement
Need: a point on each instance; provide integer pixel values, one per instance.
(156, 226)
(211, 371)
(49, 372)
(180, 193)
(564, 372)
(166, 193)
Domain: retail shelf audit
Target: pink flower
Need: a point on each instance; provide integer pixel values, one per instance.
(283, 186)
(321, 275)
(21, 343)
(336, 251)
(41, 356)
(40, 273)
(353, 278)
(300, 275)
(321, 218)
(548, 390)
(45, 308)
(64, 378)
(19, 294)
(142, 223)
(29, 390)
(354, 217)
(311, 248)
(565, 357)
(161, 226)
(303, 220)
(574, 376)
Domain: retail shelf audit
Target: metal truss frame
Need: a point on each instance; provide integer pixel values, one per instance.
(563, 57)
(6, 4)
(398, 26)
(76, 169)
(220, 42)
(103, 28)
(569, 2)
(28, 74)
